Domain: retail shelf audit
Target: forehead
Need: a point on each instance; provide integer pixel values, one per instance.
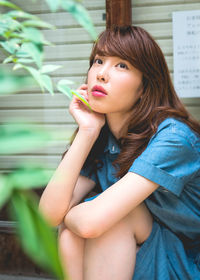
(109, 50)
(112, 44)
(113, 59)
(117, 45)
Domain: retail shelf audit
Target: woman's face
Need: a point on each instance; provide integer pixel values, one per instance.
(114, 85)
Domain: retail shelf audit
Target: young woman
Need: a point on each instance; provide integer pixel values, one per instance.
(141, 146)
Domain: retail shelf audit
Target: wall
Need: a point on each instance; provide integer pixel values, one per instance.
(71, 50)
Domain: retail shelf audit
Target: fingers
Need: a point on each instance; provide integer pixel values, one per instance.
(76, 102)
(83, 87)
(83, 91)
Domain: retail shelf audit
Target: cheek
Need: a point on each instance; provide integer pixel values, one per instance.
(135, 85)
(90, 79)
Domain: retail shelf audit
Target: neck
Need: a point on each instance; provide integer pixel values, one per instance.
(117, 124)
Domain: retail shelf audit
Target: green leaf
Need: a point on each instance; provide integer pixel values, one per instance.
(63, 87)
(32, 34)
(19, 137)
(26, 225)
(53, 4)
(10, 5)
(81, 98)
(21, 53)
(5, 190)
(49, 68)
(25, 60)
(36, 75)
(47, 83)
(17, 66)
(10, 46)
(11, 83)
(30, 177)
(21, 14)
(65, 82)
(8, 25)
(38, 23)
(81, 15)
(33, 51)
(8, 59)
(37, 238)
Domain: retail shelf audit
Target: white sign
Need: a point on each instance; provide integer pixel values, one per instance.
(186, 43)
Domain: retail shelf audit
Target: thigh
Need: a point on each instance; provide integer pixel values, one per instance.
(140, 223)
(111, 256)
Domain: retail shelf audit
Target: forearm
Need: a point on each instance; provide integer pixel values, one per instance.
(76, 220)
(56, 197)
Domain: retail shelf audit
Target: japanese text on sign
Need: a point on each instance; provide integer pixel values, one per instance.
(186, 44)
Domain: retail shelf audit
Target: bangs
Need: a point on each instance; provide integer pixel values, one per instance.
(115, 42)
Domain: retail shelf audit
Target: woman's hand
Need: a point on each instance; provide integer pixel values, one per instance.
(85, 118)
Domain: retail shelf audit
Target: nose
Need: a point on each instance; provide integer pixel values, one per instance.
(102, 75)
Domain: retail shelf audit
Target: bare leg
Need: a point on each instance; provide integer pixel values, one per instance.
(112, 255)
(71, 248)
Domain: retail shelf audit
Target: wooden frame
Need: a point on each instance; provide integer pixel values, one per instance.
(118, 12)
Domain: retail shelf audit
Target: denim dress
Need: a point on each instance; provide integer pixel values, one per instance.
(172, 160)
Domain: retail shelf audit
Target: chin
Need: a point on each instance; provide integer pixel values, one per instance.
(97, 107)
(98, 110)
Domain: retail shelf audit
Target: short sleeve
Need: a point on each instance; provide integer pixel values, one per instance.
(169, 160)
(88, 172)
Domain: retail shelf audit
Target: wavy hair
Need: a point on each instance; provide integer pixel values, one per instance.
(158, 100)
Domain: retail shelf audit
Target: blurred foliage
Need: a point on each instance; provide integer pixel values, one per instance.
(23, 43)
(63, 86)
(12, 83)
(77, 10)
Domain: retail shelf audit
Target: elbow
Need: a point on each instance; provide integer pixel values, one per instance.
(87, 233)
(52, 219)
(54, 222)
(89, 229)
(84, 222)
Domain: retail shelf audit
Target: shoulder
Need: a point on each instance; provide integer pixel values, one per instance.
(171, 157)
(179, 131)
(173, 143)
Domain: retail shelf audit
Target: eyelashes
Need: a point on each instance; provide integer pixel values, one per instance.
(121, 65)
(98, 61)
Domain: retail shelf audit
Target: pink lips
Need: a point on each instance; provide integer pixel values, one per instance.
(98, 91)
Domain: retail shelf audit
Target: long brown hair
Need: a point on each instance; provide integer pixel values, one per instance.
(158, 100)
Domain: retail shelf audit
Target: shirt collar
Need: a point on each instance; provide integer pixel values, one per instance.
(112, 145)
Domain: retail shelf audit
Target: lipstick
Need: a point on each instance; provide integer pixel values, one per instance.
(98, 91)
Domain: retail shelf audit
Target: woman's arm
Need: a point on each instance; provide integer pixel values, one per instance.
(93, 218)
(57, 196)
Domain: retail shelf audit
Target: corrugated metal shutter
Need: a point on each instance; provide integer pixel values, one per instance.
(71, 50)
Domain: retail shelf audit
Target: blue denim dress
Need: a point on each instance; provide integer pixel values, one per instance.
(172, 160)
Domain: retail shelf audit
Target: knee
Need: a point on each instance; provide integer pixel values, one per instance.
(66, 237)
(68, 242)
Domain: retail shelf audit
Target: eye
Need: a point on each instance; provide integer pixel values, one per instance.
(98, 61)
(122, 65)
